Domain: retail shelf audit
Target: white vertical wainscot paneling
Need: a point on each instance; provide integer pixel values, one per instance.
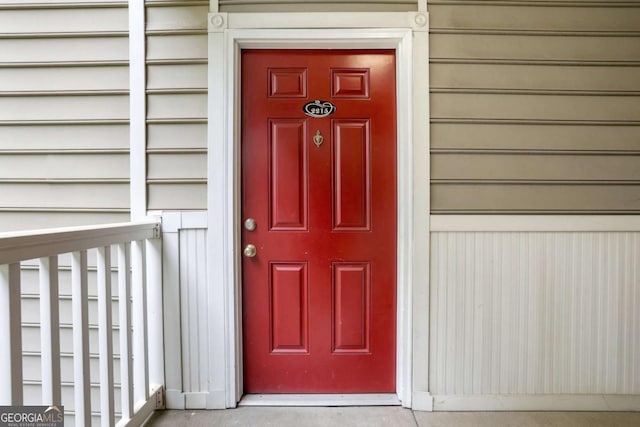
(535, 320)
(187, 343)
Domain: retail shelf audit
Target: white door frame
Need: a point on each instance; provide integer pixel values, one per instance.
(407, 33)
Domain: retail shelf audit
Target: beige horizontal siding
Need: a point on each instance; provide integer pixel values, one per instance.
(163, 136)
(176, 165)
(536, 167)
(61, 166)
(535, 77)
(177, 76)
(178, 17)
(176, 47)
(64, 107)
(62, 137)
(98, 49)
(64, 113)
(31, 312)
(176, 105)
(535, 198)
(535, 106)
(514, 106)
(171, 195)
(533, 137)
(32, 365)
(56, 78)
(25, 218)
(532, 16)
(53, 4)
(317, 6)
(31, 343)
(80, 195)
(64, 20)
(475, 45)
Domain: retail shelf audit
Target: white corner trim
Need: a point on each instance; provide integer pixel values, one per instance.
(174, 399)
(422, 401)
(137, 111)
(222, 277)
(419, 268)
(538, 223)
(343, 31)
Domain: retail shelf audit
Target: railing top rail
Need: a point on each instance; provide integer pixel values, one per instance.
(30, 244)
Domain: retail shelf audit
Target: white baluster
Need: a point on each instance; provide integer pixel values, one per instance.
(11, 330)
(105, 331)
(124, 294)
(50, 331)
(81, 370)
(140, 354)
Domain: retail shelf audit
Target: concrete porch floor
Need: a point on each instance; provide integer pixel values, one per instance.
(385, 416)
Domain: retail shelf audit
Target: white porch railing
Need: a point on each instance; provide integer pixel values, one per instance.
(139, 274)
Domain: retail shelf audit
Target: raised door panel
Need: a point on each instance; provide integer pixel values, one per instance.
(288, 174)
(288, 83)
(288, 314)
(352, 175)
(351, 307)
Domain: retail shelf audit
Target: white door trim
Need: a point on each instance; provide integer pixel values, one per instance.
(409, 37)
(368, 399)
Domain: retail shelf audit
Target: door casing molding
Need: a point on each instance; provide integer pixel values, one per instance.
(407, 33)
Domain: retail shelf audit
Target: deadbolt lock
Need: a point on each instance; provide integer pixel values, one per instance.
(250, 224)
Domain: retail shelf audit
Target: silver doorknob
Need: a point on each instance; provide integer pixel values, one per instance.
(250, 251)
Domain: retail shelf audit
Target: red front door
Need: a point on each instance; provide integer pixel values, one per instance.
(319, 181)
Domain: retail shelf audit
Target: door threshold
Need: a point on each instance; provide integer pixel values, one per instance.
(364, 399)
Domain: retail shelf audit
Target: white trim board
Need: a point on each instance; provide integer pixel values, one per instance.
(364, 30)
(373, 399)
(138, 111)
(542, 402)
(319, 20)
(540, 223)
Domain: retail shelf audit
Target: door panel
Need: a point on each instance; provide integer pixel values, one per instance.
(351, 307)
(351, 175)
(289, 316)
(319, 296)
(289, 178)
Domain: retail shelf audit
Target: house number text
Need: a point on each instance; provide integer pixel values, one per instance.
(319, 108)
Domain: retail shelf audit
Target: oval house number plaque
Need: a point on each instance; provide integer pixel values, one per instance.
(319, 109)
